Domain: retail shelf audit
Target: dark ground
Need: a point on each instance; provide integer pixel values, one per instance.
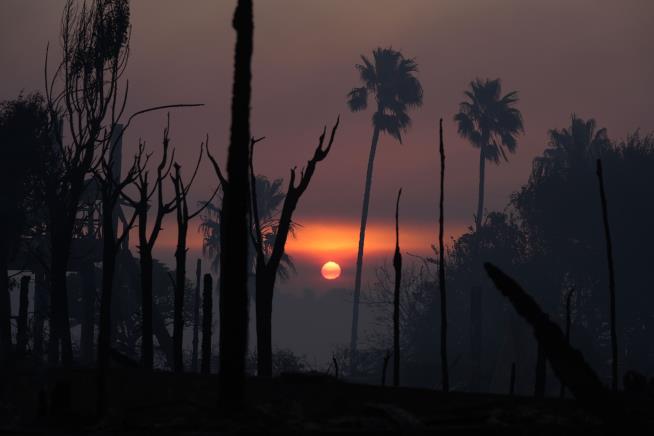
(164, 403)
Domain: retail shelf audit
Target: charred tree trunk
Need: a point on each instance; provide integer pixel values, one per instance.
(40, 311)
(207, 321)
(88, 314)
(234, 219)
(397, 266)
(180, 285)
(21, 334)
(60, 338)
(609, 257)
(567, 363)
(145, 260)
(196, 316)
(266, 270)
(445, 377)
(109, 251)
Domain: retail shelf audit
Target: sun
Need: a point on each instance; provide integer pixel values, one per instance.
(331, 270)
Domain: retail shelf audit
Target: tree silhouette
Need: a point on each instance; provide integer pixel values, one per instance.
(445, 377)
(269, 200)
(397, 266)
(390, 78)
(269, 261)
(141, 205)
(95, 44)
(234, 218)
(491, 123)
(183, 217)
(23, 134)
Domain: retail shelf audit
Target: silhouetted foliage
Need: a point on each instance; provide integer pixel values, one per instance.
(24, 132)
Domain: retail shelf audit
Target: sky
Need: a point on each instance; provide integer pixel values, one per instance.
(593, 58)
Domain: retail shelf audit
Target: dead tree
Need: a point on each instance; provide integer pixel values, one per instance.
(609, 258)
(141, 205)
(95, 42)
(207, 321)
(196, 316)
(567, 363)
(267, 264)
(441, 268)
(234, 219)
(111, 186)
(183, 217)
(397, 266)
(568, 322)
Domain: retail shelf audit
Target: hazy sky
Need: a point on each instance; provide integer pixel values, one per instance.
(589, 57)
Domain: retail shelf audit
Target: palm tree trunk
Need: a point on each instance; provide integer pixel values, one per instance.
(362, 236)
(609, 257)
(475, 294)
(441, 269)
(475, 339)
(479, 218)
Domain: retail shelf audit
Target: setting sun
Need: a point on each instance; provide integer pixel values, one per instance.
(331, 270)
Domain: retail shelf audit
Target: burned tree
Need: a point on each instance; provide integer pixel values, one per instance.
(111, 185)
(196, 316)
(207, 320)
(397, 266)
(567, 363)
(267, 264)
(234, 218)
(141, 205)
(183, 217)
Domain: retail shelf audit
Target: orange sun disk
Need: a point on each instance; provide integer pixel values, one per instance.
(331, 270)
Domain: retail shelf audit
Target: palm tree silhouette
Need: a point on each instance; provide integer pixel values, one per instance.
(390, 78)
(269, 200)
(577, 144)
(491, 123)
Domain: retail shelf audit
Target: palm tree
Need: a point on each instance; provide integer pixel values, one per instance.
(491, 123)
(581, 142)
(269, 200)
(390, 78)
